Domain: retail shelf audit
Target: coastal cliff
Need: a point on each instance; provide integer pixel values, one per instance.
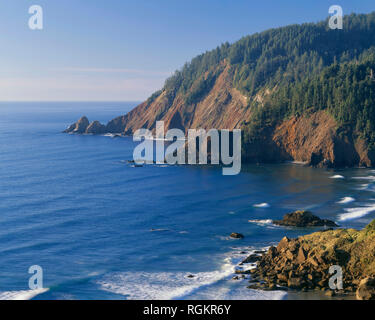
(299, 93)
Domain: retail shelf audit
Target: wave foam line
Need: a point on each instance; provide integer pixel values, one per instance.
(355, 213)
(261, 205)
(21, 295)
(346, 200)
(337, 176)
(365, 178)
(261, 222)
(178, 285)
(160, 286)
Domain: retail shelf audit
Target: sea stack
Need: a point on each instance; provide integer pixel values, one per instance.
(303, 219)
(83, 126)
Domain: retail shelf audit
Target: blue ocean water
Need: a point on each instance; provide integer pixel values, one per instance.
(102, 229)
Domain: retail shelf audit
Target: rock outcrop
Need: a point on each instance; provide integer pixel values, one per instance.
(312, 139)
(83, 126)
(96, 127)
(304, 263)
(78, 127)
(303, 219)
(366, 289)
(235, 235)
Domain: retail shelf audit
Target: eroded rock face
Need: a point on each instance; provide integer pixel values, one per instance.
(303, 219)
(366, 289)
(312, 139)
(223, 107)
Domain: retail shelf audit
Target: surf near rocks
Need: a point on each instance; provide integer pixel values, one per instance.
(304, 263)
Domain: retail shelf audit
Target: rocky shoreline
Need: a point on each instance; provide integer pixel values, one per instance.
(281, 145)
(303, 264)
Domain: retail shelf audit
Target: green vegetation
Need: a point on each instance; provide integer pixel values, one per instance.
(346, 91)
(304, 68)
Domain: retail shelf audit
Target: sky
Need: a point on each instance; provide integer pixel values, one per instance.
(123, 50)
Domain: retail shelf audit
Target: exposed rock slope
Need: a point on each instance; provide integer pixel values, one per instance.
(306, 93)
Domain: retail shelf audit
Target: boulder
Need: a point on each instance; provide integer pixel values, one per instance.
(272, 252)
(236, 235)
(251, 259)
(304, 263)
(301, 257)
(283, 244)
(303, 219)
(295, 283)
(366, 289)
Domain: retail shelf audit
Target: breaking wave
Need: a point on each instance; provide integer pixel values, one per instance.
(355, 213)
(21, 295)
(216, 285)
(346, 200)
(261, 205)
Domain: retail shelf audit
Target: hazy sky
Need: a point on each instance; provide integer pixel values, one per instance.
(113, 50)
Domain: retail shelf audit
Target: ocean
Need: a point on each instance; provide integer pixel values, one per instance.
(101, 228)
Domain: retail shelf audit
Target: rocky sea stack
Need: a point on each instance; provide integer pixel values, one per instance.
(83, 126)
(78, 127)
(304, 263)
(235, 235)
(304, 219)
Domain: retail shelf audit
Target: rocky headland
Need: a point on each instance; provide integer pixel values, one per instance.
(298, 93)
(304, 263)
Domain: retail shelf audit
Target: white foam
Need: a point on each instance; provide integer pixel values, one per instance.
(160, 285)
(261, 205)
(178, 285)
(261, 222)
(337, 176)
(364, 186)
(21, 295)
(365, 178)
(346, 200)
(354, 213)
